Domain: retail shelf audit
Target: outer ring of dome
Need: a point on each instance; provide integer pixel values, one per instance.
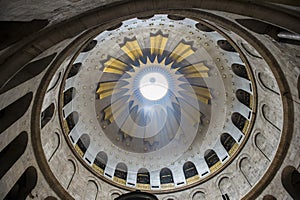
(266, 55)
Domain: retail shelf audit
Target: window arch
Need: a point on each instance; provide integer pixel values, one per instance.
(74, 70)
(190, 172)
(203, 27)
(240, 122)
(244, 97)
(100, 162)
(199, 196)
(263, 145)
(143, 179)
(82, 144)
(240, 70)
(92, 190)
(47, 115)
(166, 178)
(52, 145)
(175, 17)
(212, 160)
(115, 26)
(225, 45)
(69, 95)
(229, 143)
(89, 46)
(71, 121)
(120, 175)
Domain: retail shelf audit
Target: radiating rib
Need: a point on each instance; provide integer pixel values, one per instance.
(181, 52)
(132, 49)
(195, 71)
(158, 44)
(107, 89)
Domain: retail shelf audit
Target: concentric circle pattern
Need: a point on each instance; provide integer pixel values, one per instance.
(158, 89)
(149, 99)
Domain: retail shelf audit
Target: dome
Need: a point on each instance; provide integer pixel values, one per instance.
(172, 100)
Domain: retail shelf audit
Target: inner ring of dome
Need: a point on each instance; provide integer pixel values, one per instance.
(153, 86)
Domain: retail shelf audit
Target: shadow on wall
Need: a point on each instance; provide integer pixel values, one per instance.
(13, 31)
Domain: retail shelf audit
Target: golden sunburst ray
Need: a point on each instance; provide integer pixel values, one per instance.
(182, 51)
(198, 70)
(106, 89)
(157, 43)
(115, 66)
(132, 49)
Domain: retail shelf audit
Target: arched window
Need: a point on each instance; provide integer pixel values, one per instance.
(89, 46)
(47, 115)
(212, 160)
(240, 122)
(225, 45)
(228, 143)
(69, 95)
(82, 144)
(244, 97)
(91, 190)
(143, 179)
(175, 17)
(120, 175)
(23, 186)
(203, 27)
(100, 162)
(199, 196)
(115, 26)
(74, 70)
(240, 70)
(190, 172)
(71, 121)
(166, 176)
(227, 189)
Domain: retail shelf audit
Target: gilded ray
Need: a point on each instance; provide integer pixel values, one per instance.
(132, 49)
(202, 93)
(195, 71)
(182, 51)
(106, 89)
(115, 66)
(158, 44)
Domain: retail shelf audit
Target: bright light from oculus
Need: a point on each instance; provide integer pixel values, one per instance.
(153, 86)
